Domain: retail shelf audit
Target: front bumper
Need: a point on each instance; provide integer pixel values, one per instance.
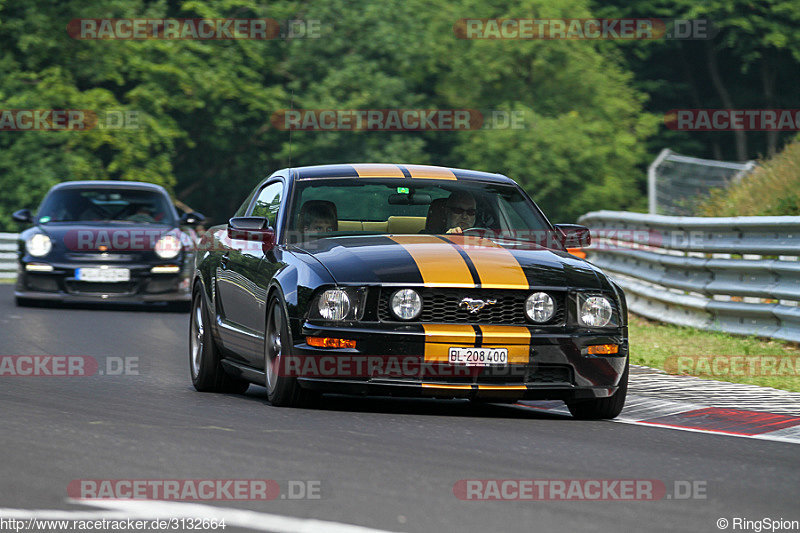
(61, 285)
(412, 361)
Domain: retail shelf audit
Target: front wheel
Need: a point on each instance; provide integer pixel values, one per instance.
(602, 408)
(207, 372)
(282, 390)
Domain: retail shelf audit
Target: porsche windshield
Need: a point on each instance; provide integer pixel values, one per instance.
(329, 207)
(104, 205)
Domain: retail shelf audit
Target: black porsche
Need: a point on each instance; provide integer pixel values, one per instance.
(404, 280)
(93, 241)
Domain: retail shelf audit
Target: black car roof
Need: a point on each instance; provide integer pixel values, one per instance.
(109, 184)
(374, 170)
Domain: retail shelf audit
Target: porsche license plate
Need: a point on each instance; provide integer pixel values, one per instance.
(103, 274)
(478, 356)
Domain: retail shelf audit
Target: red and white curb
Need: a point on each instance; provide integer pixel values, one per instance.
(688, 403)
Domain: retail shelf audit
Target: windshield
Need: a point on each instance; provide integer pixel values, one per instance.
(332, 207)
(103, 205)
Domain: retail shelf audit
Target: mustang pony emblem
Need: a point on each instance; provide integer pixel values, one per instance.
(474, 305)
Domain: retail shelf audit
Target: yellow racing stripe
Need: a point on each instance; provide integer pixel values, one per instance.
(497, 267)
(438, 262)
(516, 338)
(425, 171)
(440, 337)
(369, 170)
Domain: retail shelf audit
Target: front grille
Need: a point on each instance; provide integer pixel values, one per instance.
(42, 283)
(442, 306)
(91, 287)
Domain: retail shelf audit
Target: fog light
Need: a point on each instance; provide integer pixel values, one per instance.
(406, 304)
(329, 342)
(540, 307)
(603, 349)
(165, 269)
(33, 267)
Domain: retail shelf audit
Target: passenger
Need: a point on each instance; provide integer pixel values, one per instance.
(318, 216)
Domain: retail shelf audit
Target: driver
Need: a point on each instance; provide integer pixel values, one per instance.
(460, 211)
(144, 213)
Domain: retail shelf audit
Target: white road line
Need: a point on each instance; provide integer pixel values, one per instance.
(150, 510)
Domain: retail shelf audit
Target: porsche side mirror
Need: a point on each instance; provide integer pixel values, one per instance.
(23, 216)
(575, 235)
(192, 219)
(252, 229)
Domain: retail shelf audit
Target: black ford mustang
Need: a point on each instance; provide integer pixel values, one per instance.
(105, 241)
(404, 280)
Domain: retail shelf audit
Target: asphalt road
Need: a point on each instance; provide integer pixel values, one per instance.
(388, 464)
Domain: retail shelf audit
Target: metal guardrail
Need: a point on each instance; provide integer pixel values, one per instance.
(8, 255)
(735, 274)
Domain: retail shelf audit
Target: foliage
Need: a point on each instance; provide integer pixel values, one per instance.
(773, 188)
(205, 106)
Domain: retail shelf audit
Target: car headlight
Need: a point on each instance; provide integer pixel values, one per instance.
(39, 245)
(334, 304)
(168, 247)
(540, 307)
(406, 304)
(594, 311)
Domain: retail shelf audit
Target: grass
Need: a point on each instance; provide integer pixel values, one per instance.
(773, 188)
(659, 345)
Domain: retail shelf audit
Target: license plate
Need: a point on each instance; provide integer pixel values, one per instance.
(478, 356)
(103, 274)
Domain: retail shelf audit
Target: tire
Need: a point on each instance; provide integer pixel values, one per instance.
(602, 408)
(282, 390)
(205, 367)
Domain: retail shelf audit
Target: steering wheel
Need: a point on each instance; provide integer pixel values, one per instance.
(479, 231)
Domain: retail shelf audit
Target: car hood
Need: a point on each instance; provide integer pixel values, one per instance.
(450, 261)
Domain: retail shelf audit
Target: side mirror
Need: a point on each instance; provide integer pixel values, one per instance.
(575, 235)
(23, 216)
(191, 219)
(252, 229)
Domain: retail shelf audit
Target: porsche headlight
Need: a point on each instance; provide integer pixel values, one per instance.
(168, 247)
(406, 304)
(334, 304)
(39, 245)
(540, 307)
(594, 311)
